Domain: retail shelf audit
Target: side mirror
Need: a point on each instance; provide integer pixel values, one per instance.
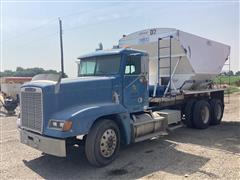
(144, 65)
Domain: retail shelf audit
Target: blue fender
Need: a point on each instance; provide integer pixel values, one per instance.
(84, 116)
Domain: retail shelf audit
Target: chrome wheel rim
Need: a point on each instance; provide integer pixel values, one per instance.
(108, 143)
(205, 114)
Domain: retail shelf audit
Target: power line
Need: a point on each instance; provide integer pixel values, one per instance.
(49, 35)
(31, 30)
(90, 24)
(89, 10)
(38, 39)
(19, 36)
(74, 14)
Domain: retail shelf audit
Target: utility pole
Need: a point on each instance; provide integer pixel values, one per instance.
(61, 46)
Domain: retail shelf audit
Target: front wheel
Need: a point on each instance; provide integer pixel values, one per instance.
(102, 143)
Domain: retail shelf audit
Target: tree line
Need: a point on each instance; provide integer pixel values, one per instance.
(231, 73)
(27, 72)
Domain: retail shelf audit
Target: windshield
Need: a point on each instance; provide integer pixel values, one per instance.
(101, 65)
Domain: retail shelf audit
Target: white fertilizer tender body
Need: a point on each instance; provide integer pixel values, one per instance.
(178, 59)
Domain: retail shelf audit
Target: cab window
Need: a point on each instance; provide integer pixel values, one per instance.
(87, 67)
(133, 65)
(99, 66)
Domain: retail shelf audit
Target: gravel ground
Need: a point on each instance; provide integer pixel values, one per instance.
(213, 153)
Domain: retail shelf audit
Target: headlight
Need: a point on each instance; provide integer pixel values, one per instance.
(60, 125)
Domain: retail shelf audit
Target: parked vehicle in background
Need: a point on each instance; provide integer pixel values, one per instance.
(9, 103)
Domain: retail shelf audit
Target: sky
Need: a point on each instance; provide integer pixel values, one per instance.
(30, 30)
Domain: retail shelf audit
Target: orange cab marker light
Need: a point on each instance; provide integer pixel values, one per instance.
(67, 125)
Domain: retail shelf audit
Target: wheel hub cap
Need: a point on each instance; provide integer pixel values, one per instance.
(108, 143)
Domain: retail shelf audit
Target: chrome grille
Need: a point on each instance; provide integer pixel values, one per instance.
(31, 109)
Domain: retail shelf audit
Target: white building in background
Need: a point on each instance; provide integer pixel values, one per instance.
(11, 85)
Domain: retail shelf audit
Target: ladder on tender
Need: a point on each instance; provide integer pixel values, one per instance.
(167, 58)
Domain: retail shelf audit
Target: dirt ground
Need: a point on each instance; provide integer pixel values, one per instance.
(213, 153)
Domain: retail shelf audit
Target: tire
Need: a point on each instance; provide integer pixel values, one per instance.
(201, 114)
(103, 134)
(188, 111)
(217, 110)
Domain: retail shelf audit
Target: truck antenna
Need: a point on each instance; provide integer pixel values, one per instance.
(61, 47)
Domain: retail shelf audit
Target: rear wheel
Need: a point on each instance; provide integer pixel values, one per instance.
(201, 114)
(188, 112)
(102, 143)
(217, 109)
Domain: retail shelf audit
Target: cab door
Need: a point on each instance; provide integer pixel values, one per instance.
(135, 85)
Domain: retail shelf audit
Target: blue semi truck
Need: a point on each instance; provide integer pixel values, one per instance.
(109, 104)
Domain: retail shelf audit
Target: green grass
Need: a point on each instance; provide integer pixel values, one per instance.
(232, 89)
(234, 83)
(223, 79)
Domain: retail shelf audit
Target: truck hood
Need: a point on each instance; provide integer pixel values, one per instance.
(85, 90)
(86, 79)
(49, 86)
(74, 91)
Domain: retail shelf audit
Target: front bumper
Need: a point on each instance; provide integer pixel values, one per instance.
(53, 146)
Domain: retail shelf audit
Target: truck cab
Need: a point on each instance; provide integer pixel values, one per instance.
(111, 85)
(129, 72)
